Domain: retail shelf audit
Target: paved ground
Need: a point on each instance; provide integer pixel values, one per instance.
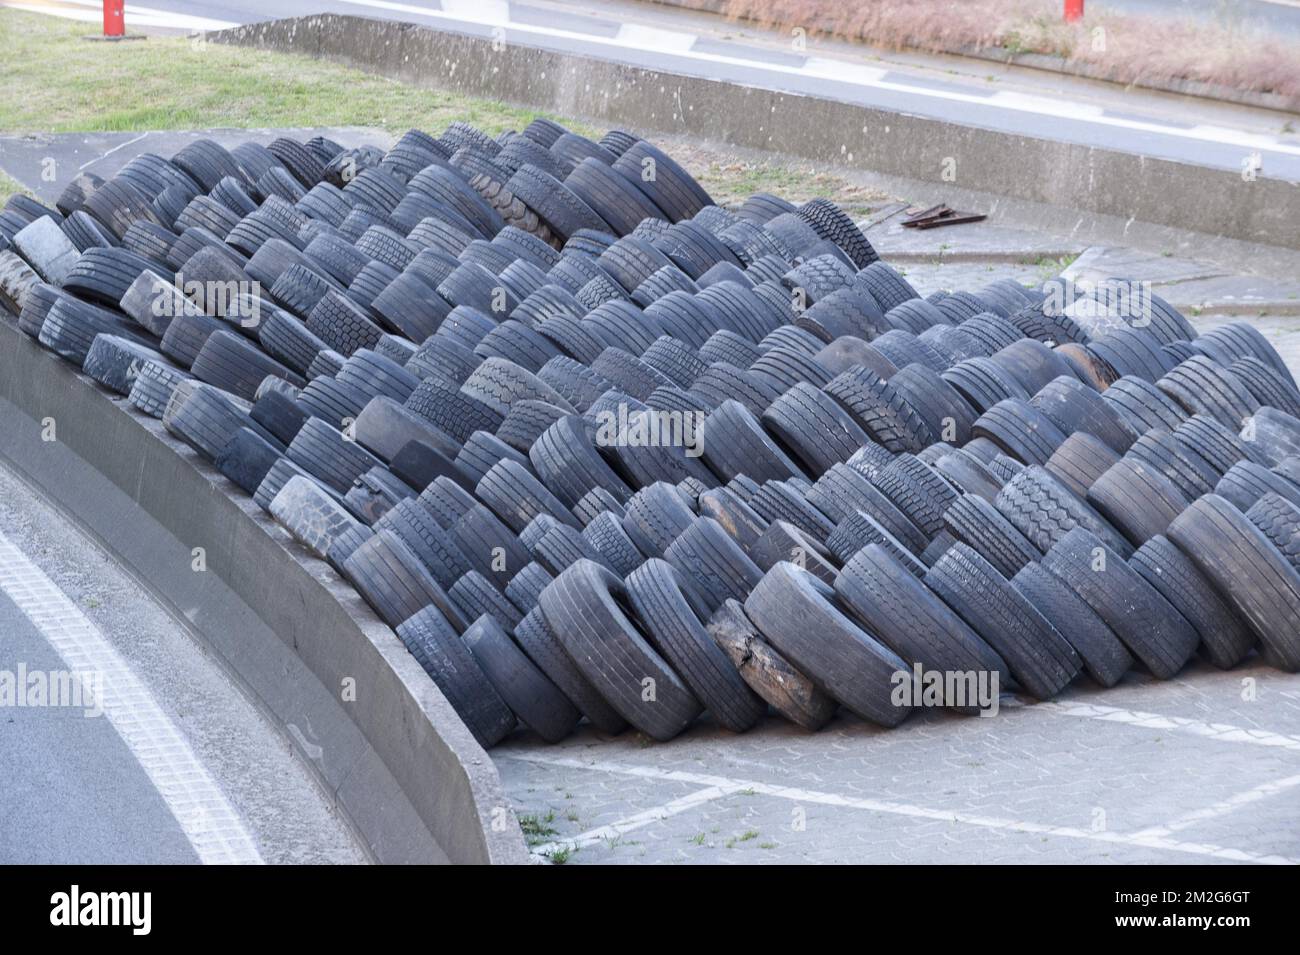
(179, 767)
(966, 92)
(1177, 772)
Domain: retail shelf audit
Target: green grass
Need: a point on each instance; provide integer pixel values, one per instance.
(537, 827)
(9, 186)
(561, 855)
(56, 82)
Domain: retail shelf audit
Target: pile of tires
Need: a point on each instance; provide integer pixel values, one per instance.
(437, 367)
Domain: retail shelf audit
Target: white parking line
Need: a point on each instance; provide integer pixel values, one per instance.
(1223, 807)
(1223, 732)
(1149, 841)
(644, 818)
(191, 794)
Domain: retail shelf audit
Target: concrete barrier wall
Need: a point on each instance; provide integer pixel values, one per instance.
(399, 763)
(1092, 180)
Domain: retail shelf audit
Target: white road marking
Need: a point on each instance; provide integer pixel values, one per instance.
(1149, 841)
(134, 15)
(193, 796)
(1223, 732)
(91, 162)
(641, 37)
(663, 41)
(644, 818)
(1223, 807)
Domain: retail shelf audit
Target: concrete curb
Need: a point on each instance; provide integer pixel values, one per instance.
(1088, 179)
(398, 762)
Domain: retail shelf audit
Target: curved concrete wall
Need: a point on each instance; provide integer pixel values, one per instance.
(1121, 185)
(400, 764)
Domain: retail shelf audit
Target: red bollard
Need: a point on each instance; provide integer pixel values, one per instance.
(114, 18)
(1073, 11)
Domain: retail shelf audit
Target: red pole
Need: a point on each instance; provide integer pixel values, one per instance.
(114, 19)
(1073, 11)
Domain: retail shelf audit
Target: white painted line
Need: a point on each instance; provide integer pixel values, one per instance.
(642, 37)
(1018, 102)
(843, 70)
(905, 809)
(1222, 732)
(644, 818)
(91, 162)
(134, 15)
(192, 795)
(61, 12)
(1224, 807)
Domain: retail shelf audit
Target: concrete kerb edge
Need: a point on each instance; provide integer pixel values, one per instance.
(1092, 180)
(400, 733)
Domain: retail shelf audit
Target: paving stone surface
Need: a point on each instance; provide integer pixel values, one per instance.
(1203, 768)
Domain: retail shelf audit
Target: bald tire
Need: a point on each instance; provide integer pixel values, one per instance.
(666, 611)
(1103, 654)
(1154, 632)
(438, 648)
(898, 609)
(544, 649)
(797, 614)
(1246, 569)
(1225, 637)
(587, 608)
(528, 692)
(711, 560)
(1040, 659)
(1136, 499)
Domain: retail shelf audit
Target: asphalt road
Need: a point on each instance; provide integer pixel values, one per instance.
(168, 762)
(71, 787)
(646, 35)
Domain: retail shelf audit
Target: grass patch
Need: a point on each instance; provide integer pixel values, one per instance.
(537, 828)
(55, 82)
(9, 187)
(730, 181)
(561, 855)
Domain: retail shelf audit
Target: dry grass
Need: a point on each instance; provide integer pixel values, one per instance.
(1129, 49)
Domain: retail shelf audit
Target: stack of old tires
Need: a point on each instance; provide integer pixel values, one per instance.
(448, 369)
